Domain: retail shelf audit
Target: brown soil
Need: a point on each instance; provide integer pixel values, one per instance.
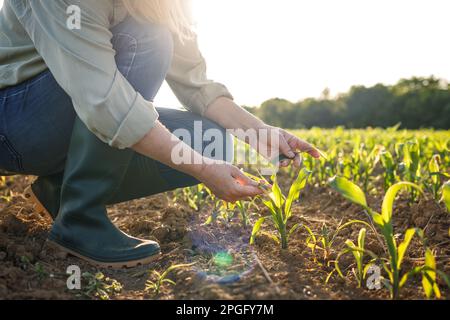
(30, 269)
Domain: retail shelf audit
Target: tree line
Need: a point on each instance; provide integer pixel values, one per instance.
(413, 103)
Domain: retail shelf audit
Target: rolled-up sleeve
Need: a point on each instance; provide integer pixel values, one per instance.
(188, 77)
(83, 63)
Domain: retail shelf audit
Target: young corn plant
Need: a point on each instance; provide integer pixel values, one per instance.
(195, 196)
(99, 286)
(384, 222)
(244, 208)
(446, 195)
(324, 242)
(358, 250)
(434, 184)
(388, 163)
(429, 273)
(364, 163)
(280, 208)
(410, 167)
(446, 198)
(161, 279)
(222, 211)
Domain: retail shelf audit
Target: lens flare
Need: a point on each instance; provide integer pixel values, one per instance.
(223, 259)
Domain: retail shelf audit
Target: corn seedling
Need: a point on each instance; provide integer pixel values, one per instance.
(195, 196)
(161, 279)
(244, 211)
(363, 164)
(435, 179)
(226, 211)
(99, 286)
(446, 195)
(429, 273)
(358, 252)
(410, 167)
(388, 163)
(280, 208)
(384, 222)
(221, 210)
(324, 242)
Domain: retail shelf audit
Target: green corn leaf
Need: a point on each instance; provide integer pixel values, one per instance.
(256, 229)
(336, 262)
(295, 189)
(157, 273)
(323, 154)
(349, 190)
(377, 218)
(391, 244)
(446, 195)
(402, 247)
(444, 175)
(311, 234)
(366, 268)
(410, 274)
(271, 236)
(358, 252)
(271, 205)
(388, 201)
(351, 245)
(349, 223)
(387, 160)
(362, 238)
(433, 167)
(174, 267)
(168, 281)
(208, 221)
(429, 276)
(276, 194)
(293, 229)
(330, 274)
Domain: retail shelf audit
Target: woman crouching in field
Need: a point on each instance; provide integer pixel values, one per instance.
(76, 111)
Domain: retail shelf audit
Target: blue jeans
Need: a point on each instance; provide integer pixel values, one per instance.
(37, 116)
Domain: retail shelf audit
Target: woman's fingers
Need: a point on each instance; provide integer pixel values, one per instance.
(285, 148)
(303, 146)
(245, 187)
(242, 178)
(247, 191)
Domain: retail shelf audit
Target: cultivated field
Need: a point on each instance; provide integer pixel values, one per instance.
(369, 221)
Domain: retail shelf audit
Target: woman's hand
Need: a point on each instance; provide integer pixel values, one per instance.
(281, 142)
(227, 182)
(229, 115)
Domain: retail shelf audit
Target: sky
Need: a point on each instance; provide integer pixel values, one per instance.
(293, 49)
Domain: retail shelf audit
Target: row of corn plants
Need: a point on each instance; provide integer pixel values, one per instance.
(358, 162)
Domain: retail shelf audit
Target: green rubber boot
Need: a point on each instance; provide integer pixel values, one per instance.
(93, 177)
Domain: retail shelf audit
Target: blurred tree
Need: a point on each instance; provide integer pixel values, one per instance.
(415, 103)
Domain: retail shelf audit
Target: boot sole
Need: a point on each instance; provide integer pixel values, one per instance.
(37, 205)
(106, 265)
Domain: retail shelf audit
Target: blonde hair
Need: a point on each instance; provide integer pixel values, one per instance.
(175, 14)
